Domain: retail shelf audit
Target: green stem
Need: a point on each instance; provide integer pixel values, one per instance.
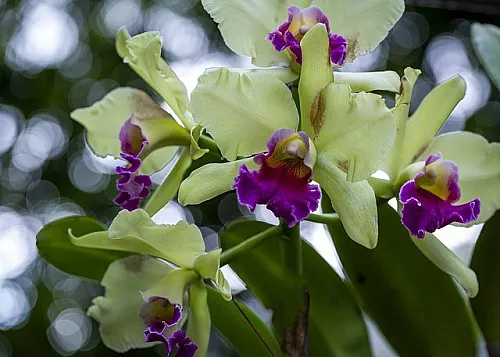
(297, 247)
(325, 218)
(228, 255)
(208, 143)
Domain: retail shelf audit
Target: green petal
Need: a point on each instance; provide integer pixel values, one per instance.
(284, 74)
(158, 159)
(369, 81)
(117, 312)
(364, 23)
(479, 168)
(104, 119)
(169, 187)
(195, 150)
(354, 202)
(199, 324)
(357, 133)
(143, 54)
(207, 266)
(486, 41)
(400, 113)
(241, 111)
(210, 181)
(171, 285)
(135, 232)
(315, 76)
(245, 24)
(429, 117)
(448, 262)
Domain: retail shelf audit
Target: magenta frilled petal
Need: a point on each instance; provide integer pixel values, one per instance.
(131, 185)
(158, 313)
(282, 182)
(290, 33)
(338, 49)
(184, 346)
(425, 212)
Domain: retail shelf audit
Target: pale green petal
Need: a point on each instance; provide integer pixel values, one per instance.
(448, 262)
(171, 286)
(479, 168)
(400, 113)
(207, 266)
(315, 76)
(369, 81)
(241, 111)
(195, 150)
(429, 117)
(365, 23)
(486, 41)
(143, 54)
(199, 322)
(245, 24)
(284, 74)
(118, 311)
(135, 232)
(354, 202)
(357, 133)
(210, 181)
(158, 159)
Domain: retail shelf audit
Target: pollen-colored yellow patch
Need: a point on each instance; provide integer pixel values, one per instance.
(162, 310)
(290, 154)
(436, 178)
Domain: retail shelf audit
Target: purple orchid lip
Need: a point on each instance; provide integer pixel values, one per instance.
(282, 182)
(132, 186)
(428, 199)
(178, 345)
(158, 313)
(290, 33)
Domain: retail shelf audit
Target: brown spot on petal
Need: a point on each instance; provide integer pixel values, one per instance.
(352, 48)
(343, 165)
(134, 263)
(317, 113)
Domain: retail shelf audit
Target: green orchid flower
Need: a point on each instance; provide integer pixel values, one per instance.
(149, 296)
(128, 124)
(343, 137)
(452, 178)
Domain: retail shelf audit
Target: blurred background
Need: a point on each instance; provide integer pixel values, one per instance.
(58, 55)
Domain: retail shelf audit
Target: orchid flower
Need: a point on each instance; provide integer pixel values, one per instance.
(339, 140)
(148, 297)
(453, 178)
(128, 124)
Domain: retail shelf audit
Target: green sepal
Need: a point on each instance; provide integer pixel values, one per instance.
(198, 329)
(334, 329)
(486, 264)
(241, 327)
(418, 308)
(369, 81)
(54, 245)
(207, 266)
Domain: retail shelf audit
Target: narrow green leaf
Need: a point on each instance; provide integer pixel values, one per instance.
(335, 329)
(243, 329)
(55, 247)
(418, 308)
(486, 264)
(169, 187)
(486, 41)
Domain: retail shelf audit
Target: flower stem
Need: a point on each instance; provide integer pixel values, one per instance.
(325, 218)
(296, 239)
(228, 255)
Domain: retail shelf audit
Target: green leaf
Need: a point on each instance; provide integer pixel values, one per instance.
(135, 232)
(244, 26)
(198, 329)
(118, 310)
(242, 328)
(236, 109)
(210, 181)
(364, 23)
(417, 307)
(479, 168)
(357, 131)
(486, 264)
(486, 41)
(335, 329)
(104, 119)
(169, 187)
(316, 75)
(355, 202)
(369, 81)
(55, 247)
(429, 117)
(143, 54)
